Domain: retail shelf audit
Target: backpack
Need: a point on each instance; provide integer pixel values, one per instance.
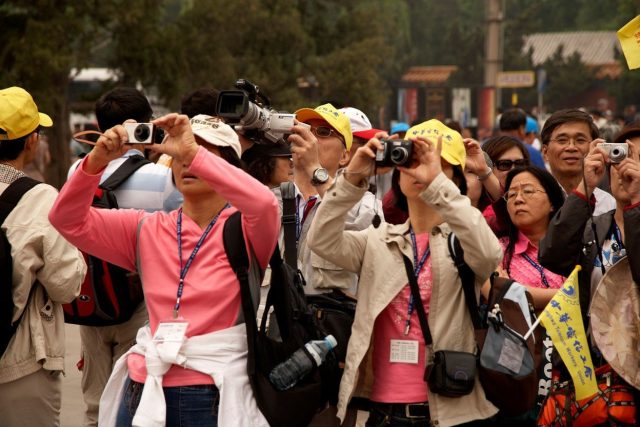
(8, 200)
(109, 294)
(296, 406)
(508, 364)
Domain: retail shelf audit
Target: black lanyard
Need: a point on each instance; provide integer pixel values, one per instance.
(417, 267)
(537, 267)
(184, 269)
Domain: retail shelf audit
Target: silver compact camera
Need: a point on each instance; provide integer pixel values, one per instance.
(143, 133)
(616, 152)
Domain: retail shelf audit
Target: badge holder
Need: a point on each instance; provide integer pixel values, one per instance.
(169, 338)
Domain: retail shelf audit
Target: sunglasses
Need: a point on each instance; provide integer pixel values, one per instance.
(507, 165)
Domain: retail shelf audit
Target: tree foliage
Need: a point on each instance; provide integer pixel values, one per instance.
(300, 52)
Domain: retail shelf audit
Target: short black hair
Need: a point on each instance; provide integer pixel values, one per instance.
(561, 117)
(200, 101)
(513, 119)
(10, 149)
(400, 200)
(120, 104)
(262, 169)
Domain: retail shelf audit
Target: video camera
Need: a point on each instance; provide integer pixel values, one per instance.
(249, 110)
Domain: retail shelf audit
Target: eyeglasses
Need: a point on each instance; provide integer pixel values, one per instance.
(507, 165)
(527, 193)
(578, 141)
(325, 132)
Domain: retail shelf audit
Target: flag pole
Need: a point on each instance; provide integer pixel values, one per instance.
(533, 327)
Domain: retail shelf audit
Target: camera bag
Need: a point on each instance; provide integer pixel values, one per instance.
(508, 366)
(448, 373)
(297, 325)
(109, 294)
(8, 200)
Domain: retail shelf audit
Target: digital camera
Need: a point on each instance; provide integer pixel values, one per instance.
(617, 152)
(395, 152)
(144, 133)
(249, 110)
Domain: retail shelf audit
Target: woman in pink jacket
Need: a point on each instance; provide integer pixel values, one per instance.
(189, 286)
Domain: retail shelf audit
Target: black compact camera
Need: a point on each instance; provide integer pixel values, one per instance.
(395, 152)
(249, 110)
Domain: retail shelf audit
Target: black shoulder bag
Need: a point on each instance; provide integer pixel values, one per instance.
(448, 373)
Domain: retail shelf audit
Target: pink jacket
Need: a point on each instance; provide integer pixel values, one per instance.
(211, 295)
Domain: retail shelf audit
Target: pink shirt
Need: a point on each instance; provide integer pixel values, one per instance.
(211, 295)
(523, 271)
(401, 382)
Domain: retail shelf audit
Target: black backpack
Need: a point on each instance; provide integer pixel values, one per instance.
(109, 294)
(8, 200)
(297, 406)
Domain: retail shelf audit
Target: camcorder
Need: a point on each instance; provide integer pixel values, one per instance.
(395, 152)
(144, 133)
(249, 110)
(616, 152)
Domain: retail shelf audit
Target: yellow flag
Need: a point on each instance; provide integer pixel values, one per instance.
(563, 321)
(629, 37)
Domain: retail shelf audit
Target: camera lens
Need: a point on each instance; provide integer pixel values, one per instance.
(399, 155)
(141, 133)
(616, 152)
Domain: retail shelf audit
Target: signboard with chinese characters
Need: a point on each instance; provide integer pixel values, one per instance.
(515, 79)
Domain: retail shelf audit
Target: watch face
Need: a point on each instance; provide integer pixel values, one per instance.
(321, 175)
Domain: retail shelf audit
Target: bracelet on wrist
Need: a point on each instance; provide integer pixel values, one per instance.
(485, 175)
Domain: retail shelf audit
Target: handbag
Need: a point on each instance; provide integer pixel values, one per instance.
(509, 364)
(612, 405)
(448, 373)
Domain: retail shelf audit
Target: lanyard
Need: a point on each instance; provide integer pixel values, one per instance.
(185, 268)
(416, 271)
(538, 267)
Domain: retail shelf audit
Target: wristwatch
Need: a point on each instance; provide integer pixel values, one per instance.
(320, 176)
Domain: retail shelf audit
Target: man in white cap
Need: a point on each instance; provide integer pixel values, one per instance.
(150, 188)
(43, 271)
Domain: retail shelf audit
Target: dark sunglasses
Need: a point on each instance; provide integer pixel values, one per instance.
(507, 165)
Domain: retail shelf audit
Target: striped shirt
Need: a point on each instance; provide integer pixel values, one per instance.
(150, 188)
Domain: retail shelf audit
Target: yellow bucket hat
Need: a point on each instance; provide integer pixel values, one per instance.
(19, 114)
(336, 119)
(453, 150)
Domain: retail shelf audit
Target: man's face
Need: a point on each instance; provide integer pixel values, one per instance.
(568, 145)
(332, 152)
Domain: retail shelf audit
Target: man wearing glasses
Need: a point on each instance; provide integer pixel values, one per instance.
(566, 136)
(319, 151)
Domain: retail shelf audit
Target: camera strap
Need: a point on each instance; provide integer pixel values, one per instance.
(422, 315)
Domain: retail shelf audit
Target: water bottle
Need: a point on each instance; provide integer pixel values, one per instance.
(299, 365)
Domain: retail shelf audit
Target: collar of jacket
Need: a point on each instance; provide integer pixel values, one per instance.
(399, 234)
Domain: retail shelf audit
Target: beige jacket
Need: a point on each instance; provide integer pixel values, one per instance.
(376, 254)
(45, 261)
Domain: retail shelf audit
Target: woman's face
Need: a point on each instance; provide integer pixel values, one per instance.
(528, 203)
(512, 154)
(412, 188)
(282, 172)
(187, 183)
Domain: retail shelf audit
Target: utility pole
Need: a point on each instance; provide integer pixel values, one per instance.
(494, 12)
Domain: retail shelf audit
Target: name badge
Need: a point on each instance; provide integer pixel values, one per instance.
(169, 338)
(404, 351)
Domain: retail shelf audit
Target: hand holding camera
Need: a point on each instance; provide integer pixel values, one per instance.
(628, 171)
(110, 145)
(304, 149)
(362, 163)
(428, 154)
(179, 141)
(594, 166)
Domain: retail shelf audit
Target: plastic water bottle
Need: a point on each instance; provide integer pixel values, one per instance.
(299, 365)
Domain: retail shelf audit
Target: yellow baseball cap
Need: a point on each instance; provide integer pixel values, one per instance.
(336, 119)
(453, 150)
(19, 115)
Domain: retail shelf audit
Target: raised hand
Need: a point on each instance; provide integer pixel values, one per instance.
(179, 141)
(428, 155)
(362, 163)
(476, 162)
(111, 145)
(594, 166)
(629, 173)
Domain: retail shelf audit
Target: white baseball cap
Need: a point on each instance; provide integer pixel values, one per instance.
(360, 124)
(216, 132)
